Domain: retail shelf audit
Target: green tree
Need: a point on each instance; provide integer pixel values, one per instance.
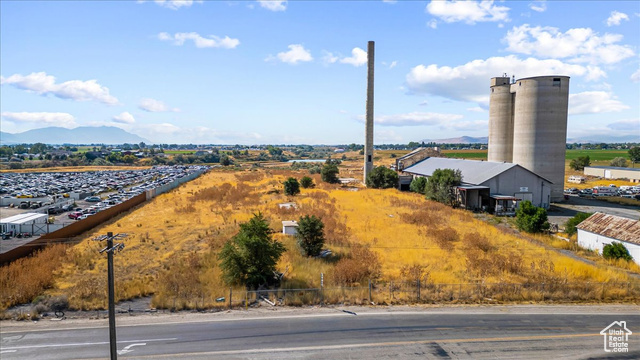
(382, 178)
(634, 154)
(250, 257)
(618, 162)
(291, 186)
(129, 159)
(580, 162)
(225, 160)
(530, 218)
(616, 250)
(441, 185)
(38, 148)
(329, 173)
(310, 235)
(418, 184)
(570, 225)
(306, 182)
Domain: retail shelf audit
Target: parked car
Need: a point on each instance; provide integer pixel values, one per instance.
(93, 199)
(75, 215)
(82, 217)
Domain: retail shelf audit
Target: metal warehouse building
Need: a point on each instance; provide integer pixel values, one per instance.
(601, 229)
(495, 186)
(612, 172)
(22, 222)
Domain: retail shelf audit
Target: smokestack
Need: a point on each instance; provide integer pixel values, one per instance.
(368, 144)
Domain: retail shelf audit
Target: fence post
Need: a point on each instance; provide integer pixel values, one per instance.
(418, 289)
(230, 298)
(602, 297)
(390, 291)
(370, 292)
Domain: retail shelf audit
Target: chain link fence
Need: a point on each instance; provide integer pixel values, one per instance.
(414, 292)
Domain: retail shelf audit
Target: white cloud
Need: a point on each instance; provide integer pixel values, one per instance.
(538, 5)
(635, 77)
(174, 4)
(616, 18)
(594, 102)
(476, 109)
(297, 53)
(152, 105)
(627, 124)
(49, 118)
(358, 57)
(393, 64)
(468, 11)
(581, 45)
(473, 125)
(329, 58)
(78, 90)
(390, 1)
(413, 119)
(433, 23)
(273, 5)
(211, 41)
(124, 118)
(470, 82)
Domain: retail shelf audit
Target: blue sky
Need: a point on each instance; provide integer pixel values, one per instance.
(259, 72)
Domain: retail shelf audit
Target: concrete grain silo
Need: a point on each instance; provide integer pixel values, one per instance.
(500, 120)
(540, 127)
(528, 126)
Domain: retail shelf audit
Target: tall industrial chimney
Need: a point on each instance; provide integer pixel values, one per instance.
(368, 144)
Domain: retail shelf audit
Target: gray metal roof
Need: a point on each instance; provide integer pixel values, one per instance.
(473, 171)
(612, 226)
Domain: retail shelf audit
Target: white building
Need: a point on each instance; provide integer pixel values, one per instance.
(289, 227)
(22, 222)
(602, 229)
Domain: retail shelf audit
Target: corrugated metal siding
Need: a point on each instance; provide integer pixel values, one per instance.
(612, 226)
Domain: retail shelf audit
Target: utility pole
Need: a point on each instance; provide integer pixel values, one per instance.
(110, 250)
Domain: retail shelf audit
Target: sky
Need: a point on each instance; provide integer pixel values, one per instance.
(294, 72)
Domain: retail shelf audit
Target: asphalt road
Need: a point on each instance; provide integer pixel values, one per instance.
(420, 334)
(559, 213)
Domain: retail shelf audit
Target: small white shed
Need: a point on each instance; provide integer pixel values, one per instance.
(602, 229)
(289, 227)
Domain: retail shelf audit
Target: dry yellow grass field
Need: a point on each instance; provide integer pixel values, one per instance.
(173, 243)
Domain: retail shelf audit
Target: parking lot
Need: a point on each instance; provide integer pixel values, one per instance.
(68, 197)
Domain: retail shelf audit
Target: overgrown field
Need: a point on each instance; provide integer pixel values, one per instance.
(381, 235)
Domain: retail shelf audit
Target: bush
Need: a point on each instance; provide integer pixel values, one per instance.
(418, 184)
(310, 235)
(329, 173)
(361, 265)
(570, 225)
(580, 162)
(306, 182)
(618, 162)
(616, 250)
(530, 218)
(382, 178)
(440, 186)
(291, 187)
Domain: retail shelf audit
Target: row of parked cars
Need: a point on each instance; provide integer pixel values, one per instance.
(632, 192)
(34, 185)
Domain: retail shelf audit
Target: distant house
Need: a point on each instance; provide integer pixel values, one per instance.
(495, 186)
(602, 229)
(338, 150)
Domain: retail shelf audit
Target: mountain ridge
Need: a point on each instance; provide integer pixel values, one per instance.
(79, 135)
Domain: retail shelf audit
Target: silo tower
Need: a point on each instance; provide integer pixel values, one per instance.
(500, 120)
(540, 127)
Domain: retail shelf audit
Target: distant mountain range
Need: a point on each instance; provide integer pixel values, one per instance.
(597, 139)
(79, 135)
